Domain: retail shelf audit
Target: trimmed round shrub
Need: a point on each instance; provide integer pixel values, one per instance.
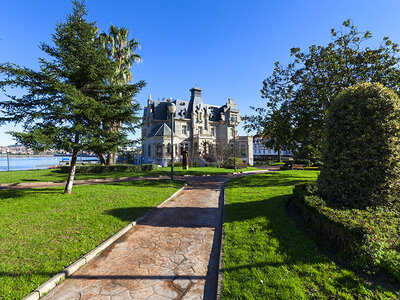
(361, 151)
(230, 163)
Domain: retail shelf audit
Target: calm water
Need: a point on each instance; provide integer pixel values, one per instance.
(18, 163)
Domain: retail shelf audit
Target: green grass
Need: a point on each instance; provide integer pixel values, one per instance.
(268, 257)
(43, 231)
(55, 175)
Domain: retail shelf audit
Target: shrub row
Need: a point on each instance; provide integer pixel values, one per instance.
(348, 235)
(230, 163)
(180, 164)
(288, 166)
(86, 169)
(371, 234)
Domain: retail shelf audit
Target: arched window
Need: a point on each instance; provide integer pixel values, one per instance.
(159, 149)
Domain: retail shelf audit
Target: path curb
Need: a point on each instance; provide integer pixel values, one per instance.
(221, 251)
(52, 282)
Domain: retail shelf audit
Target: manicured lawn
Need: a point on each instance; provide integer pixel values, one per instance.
(43, 231)
(268, 257)
(55, 175)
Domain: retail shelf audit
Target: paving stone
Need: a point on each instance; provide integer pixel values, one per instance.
(181, 284)
(122, 296)
(166, 289)
(165, 256)
(142, 293)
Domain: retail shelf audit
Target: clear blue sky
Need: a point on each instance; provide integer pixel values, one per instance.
(225, 47)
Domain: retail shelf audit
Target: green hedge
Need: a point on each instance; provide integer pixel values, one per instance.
(96, 169)
(305, 162)
(361, 151)
(371, 234)
(348, 235)
(230, 163)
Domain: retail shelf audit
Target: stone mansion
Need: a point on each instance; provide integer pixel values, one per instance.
(207, 132)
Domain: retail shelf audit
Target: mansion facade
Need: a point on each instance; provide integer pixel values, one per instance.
(207, 132)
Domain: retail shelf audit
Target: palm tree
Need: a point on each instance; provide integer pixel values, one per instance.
(121, 51)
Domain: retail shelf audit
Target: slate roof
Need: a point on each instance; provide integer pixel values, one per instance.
(160, 130)
(159, 109)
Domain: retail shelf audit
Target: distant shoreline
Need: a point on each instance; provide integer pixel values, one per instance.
(29, 155)
(41, 155)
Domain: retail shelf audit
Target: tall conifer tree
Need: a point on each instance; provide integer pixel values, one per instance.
(66, 101)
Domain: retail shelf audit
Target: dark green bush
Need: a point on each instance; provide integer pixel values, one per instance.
(176, 164)
(194, 164)
(305, 162)
(371, 234)
(96, 169)
(230, 163)
(361, 151)
(149, 167)
(317, 163)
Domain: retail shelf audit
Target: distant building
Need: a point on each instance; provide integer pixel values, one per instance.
(203, 130)
(262, 152)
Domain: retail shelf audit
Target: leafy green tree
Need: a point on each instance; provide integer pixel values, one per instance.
(65, 102)
(308, 85)
(121, 51)
(275, 128)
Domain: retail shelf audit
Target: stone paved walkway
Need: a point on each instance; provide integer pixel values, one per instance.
(171, 254)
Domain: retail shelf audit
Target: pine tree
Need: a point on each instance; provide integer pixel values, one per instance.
(68, 99)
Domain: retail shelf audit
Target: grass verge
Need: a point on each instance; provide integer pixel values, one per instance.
(268, 257)
(55, 175)
(44, 231)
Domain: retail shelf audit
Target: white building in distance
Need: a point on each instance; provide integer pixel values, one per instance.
(207, 132)
(262, 152)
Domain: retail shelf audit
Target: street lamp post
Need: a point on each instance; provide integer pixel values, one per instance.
(234, 145)
(172, 109)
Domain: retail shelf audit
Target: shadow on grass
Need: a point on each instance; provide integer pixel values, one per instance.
(128, 214)
(18, 193)
(268, 218)
(156, 183)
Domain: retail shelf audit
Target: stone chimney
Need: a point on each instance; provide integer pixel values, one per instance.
(195, 92)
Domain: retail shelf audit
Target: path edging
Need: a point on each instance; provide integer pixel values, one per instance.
(221, 251)
(75, 266)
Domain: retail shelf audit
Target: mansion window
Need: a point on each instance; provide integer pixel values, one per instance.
(159, 149)
(212, 131)
(184, 130)
(243, 150)
(200, 130)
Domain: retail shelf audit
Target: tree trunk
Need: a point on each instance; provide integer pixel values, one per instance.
(71, 174)
(110, 159)
(101, 158)
(115, 158)
(279, 154)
